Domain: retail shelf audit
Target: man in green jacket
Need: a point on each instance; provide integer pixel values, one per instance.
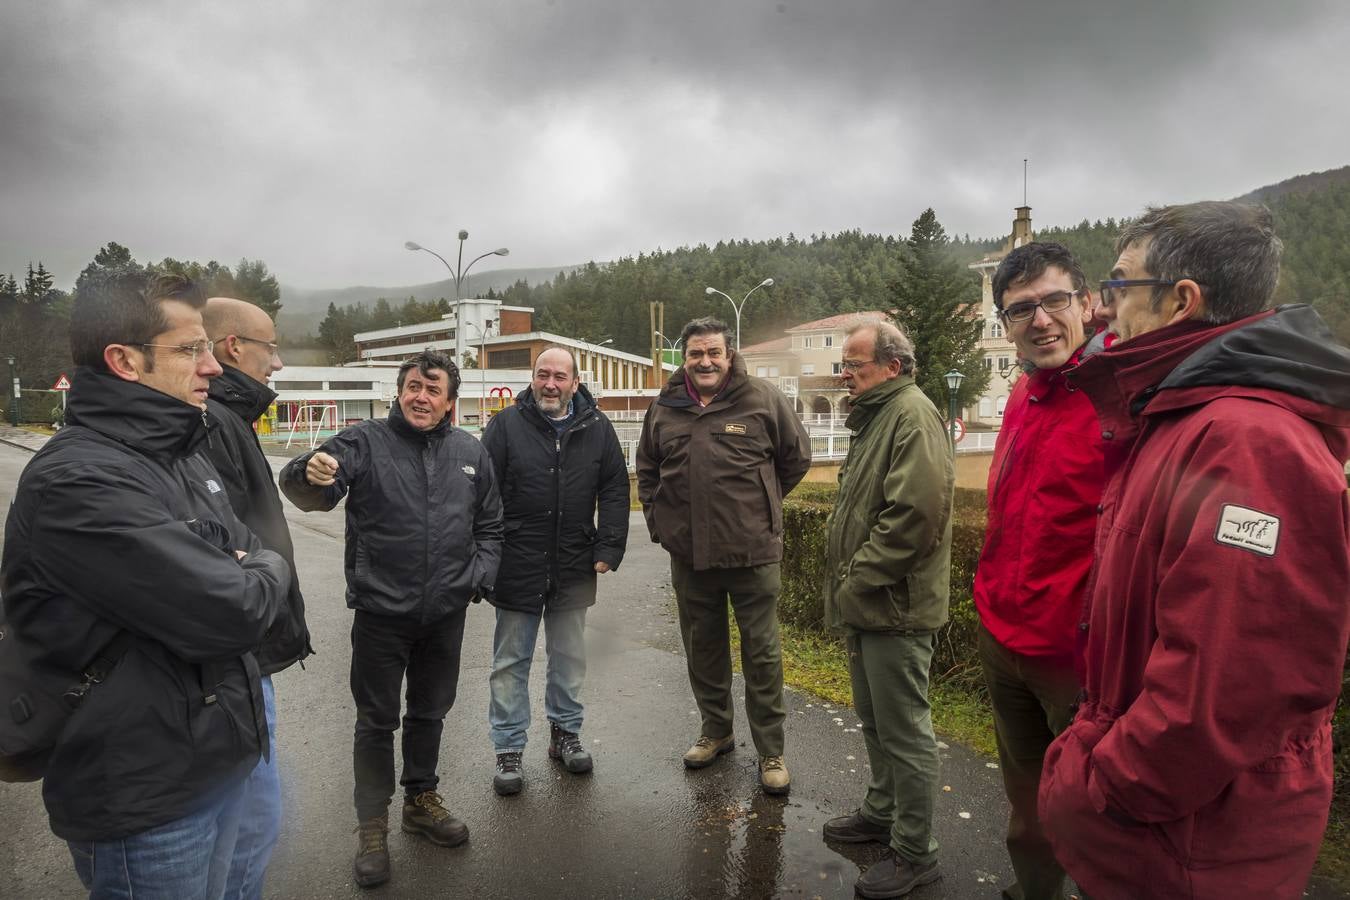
(888, 564)
(718, 453)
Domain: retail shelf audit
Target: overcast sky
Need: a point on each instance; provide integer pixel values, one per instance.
(320, 135)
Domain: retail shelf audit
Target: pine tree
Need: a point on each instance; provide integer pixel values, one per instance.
(937, 302)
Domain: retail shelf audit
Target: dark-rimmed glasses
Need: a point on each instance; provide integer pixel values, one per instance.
(1051, 303)
(1112, 289)
(195, 349)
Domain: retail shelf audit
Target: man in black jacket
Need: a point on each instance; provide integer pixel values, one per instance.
(246, 347)
(556, 456)
(120, 527)
(424, 537)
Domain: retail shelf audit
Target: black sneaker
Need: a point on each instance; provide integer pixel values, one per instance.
(566, 745)
(508, 779)
(372, 852)
(895, 876)
(854, 829)
(425, 814)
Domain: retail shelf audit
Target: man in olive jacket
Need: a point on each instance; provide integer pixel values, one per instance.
(557, 460)
(719, 452)
(888, 565)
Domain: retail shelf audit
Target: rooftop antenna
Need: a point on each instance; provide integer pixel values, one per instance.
(1024, 181)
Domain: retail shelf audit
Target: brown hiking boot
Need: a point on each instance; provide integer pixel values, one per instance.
(426, 815)
(773, 775)
(372, 852)
(706, 750)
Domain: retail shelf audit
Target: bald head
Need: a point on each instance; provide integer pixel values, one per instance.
(245, 337)
(554, 381)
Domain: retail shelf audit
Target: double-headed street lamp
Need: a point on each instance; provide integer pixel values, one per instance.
(482, 375)
(458, 273)
(954, 379)
(767, 282)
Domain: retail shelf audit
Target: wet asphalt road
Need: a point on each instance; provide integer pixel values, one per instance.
(641, 826)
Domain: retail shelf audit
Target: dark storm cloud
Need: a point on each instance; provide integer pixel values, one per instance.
(320, 136)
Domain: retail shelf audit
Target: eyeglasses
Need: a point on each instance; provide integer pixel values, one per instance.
(1051, 303)
(270, 345)
(194, 350)
(1113, 289)
(853, 365)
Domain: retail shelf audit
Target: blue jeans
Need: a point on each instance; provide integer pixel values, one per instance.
(186, 859)
(512, 652)
(260, 819)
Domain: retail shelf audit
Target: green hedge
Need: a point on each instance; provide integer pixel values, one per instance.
(956, 659)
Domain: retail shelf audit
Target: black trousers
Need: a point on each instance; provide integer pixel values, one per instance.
(383, 649)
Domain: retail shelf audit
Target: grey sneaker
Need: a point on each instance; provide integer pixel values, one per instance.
(706, 750)
(566, 746)
(508, 779)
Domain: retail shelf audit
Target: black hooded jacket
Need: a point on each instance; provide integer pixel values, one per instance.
(235, 403)
(424, 521)
(118, 523)
(551, 484)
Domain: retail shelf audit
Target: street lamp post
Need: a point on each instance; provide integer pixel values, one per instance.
(457, 273)
(482, 375)
(14, 394)
(767, 282)
(668, 344)
(954, 379)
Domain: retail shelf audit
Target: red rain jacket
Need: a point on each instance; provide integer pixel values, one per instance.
(1199, 765)
(1045, 482)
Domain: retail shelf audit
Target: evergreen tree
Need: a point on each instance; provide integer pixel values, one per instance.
(938, 303)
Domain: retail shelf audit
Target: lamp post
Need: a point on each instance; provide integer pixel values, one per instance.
(14, 395)
(767, 282)
(954, 379)
(668, 344)
(482, 375)
(457, 273)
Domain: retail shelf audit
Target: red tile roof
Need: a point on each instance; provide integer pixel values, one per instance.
(777, 345)
(838, 321)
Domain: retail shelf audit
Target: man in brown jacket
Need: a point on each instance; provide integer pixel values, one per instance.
(719, 451)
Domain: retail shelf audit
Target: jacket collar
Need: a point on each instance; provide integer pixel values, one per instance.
(402, 427)
(873, 399)
(130, 413)
(241, 393)
(583, 405)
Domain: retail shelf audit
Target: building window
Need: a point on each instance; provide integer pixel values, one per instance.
(836, 368)
(351, 386)
(762, 371)
(989, 363)
(829, 340)
(806, 342)
(1002, 402)
(297, 385)
(995, 329)
(986, 406)
(1003, 363)
(808, 368)
(508, 359)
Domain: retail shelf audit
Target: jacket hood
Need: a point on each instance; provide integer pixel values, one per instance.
(1285, 356)
(675, 393)
(135, 415)
(242, 394)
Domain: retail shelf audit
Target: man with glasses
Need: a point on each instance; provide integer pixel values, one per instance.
(1045, 482)
(245, 345)
(719, 452)
(424, 539)
(888, 571)
(558, 461)
(123, 561)
(1199, 763)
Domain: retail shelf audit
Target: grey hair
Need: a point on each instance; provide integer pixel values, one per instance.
(890, 341)
(1229, 248)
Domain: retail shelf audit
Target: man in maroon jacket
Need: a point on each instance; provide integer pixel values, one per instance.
(1044, 486)
(1199, 764)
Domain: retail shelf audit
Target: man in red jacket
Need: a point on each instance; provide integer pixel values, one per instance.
(1044, 486)
(1199, 764)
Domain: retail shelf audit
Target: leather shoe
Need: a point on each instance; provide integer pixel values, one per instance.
(895, 876)
(855, 829)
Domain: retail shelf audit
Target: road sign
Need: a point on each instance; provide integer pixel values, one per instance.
(958, 430)
(62, 383)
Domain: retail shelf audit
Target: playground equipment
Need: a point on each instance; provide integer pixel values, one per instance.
(305, 417)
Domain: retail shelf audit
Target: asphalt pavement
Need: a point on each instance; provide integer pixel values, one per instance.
(640, 826)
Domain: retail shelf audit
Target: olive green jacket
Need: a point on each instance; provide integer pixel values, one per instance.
(890, 534)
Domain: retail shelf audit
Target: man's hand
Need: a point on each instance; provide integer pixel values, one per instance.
(321, 470)
(602, 567)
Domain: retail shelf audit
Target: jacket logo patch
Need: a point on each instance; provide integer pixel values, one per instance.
(212, 486)
(734, 428)
(468, 470)
(1248, 529)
